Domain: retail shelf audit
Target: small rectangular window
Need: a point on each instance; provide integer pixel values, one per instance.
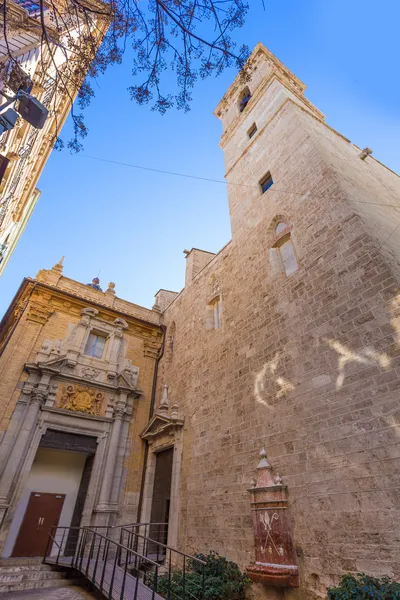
(252, 130)
(266, 182)
(95, 345)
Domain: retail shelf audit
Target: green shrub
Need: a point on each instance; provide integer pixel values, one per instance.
(362, 587)
(222, 580)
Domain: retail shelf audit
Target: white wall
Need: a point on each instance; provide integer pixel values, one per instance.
(54, 472)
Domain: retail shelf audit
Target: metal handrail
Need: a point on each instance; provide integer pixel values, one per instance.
(95, 554)
(87, 552)
(189, 556)
(122, 546)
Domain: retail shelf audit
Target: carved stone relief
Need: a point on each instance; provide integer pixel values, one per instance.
(81, 398)
(90, 373)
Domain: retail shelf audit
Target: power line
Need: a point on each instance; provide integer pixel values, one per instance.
(200, 178)
(273, 189)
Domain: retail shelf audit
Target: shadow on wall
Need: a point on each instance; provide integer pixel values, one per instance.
(357, 475)
(270, 371)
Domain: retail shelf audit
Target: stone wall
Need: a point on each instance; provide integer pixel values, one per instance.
(306, 365)
(196, 260)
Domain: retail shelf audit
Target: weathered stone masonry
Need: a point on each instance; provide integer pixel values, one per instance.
(307, 365)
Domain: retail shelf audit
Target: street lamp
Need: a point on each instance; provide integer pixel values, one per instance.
(29, 107)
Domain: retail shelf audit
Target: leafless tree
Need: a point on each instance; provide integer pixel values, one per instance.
(192, 38)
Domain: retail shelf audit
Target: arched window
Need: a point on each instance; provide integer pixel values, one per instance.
(284, 250)
(244, 98)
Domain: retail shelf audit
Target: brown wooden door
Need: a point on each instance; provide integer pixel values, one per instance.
(42, 513)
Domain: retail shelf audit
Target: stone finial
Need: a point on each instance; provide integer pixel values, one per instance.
(60, 263)
(111, 288)
(263, 464)
(278, 479)
(366, 152)
(164, 400)
(58, 267)
(174, 411)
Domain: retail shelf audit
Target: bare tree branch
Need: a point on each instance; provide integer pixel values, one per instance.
(191, 38)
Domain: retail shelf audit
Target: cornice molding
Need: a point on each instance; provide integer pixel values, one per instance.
(160, 425)
(71, 303)
(38, 313)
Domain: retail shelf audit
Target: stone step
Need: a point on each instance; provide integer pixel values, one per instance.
(25, 568)
(31, 576)
(32, 585)
(20, 561)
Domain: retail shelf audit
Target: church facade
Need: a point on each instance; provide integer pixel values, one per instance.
(256, 411)
(77, 377)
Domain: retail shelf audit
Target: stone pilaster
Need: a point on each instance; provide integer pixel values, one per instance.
(109, 470)
(22, 439)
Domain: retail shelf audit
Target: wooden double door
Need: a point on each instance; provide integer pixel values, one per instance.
(42, 513)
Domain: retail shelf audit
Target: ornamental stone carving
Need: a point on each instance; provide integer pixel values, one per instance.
(38, 396)
(151, 348)
(81, 398)
(90, 373)
(165, 422)
(38, 313)
(276, 561)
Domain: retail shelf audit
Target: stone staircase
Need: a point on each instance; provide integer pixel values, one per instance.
(18, 574)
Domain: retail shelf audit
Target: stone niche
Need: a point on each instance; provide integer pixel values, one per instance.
(276, 560)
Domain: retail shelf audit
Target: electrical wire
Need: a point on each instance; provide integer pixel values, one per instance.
(200, 178)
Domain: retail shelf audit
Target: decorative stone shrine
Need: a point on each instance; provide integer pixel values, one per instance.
(276, 563)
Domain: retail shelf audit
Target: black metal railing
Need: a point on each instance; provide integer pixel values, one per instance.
(181, 576)
(136, 567)
(145, 537)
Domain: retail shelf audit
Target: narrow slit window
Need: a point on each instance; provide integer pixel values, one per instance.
(214, 313)
(266, 182)
(284, 250)
(252, 131)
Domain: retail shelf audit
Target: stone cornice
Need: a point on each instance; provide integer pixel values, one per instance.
(56, 299)
(160, 425)
(38, 313)
(55, 369)
(68, 413)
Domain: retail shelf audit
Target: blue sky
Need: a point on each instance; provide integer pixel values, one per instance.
(133, 225)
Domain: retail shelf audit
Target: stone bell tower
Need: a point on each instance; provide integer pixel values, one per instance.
(260, 133)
